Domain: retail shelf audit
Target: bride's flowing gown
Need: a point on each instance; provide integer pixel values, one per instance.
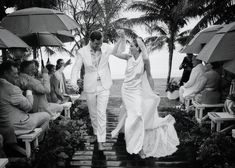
(146, 133)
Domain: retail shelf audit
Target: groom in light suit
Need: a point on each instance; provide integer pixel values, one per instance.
(97, 80)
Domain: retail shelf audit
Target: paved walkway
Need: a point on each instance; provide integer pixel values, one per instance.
(115, 155)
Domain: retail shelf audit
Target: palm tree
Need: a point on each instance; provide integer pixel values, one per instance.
(109, 18)
(95, 14)
(166, 18)
(92, 15)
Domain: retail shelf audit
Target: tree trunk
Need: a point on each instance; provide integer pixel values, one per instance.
(171, 50)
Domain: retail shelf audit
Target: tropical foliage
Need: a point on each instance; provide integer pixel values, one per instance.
(198, 145)
(64, 137)
(213, 12)
(61, 141)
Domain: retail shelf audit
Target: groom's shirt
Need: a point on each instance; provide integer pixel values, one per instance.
(96, 56)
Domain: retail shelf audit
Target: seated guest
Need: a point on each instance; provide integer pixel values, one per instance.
(14, 106)
(229, 104)
(36, 72)
(208, 92)
(60, 66)
(18, 55)
(189, 88)
(55, 95)
(40, 88)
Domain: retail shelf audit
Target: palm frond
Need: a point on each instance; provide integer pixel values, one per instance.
(48, 51)
(63, 49)
(215, 12)
(182, 40)
(155, 42)
(142, 6)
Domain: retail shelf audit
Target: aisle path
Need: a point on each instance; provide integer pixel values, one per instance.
(115, 155)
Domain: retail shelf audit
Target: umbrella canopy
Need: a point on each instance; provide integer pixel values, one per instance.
(221, 47)
(9, 40)
(64, 36)
(42, 39)
(34, 20)
(230, 66)
(200, 39)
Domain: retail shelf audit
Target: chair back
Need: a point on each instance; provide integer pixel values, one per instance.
(232, 87)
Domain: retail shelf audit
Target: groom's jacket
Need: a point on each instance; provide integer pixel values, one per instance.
(92, 73)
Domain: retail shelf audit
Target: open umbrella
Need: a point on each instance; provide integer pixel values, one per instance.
(9, 40)
(33, 20)
(221, 47)
(200, 39)
(42, 39)
(230, 66)
(64, 36)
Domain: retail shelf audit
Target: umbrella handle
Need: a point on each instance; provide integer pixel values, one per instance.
(40, 49)
(42, 62)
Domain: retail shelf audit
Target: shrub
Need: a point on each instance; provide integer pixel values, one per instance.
(216, 151)
(64, 137)
(61, 141)
(172, 85)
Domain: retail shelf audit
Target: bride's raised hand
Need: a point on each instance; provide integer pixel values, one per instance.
(121, 33)
(143, 48)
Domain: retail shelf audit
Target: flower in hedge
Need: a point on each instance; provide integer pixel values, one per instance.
(172, 85)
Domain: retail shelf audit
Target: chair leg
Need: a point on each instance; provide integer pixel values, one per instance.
(218, 127)
(28, 149)
(196, 113)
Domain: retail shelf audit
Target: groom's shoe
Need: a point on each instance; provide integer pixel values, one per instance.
(101, 146)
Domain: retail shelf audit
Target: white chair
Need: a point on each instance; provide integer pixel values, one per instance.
(28, 138)
(3, 162)
(200, 115)
(218, 118)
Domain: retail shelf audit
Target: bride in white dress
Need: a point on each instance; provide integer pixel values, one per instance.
(146, 133)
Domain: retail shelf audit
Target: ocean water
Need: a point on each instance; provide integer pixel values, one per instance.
(158, 61)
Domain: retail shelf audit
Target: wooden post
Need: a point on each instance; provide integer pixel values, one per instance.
(34, 53)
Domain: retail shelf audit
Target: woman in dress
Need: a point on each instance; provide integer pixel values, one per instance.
(146, 133)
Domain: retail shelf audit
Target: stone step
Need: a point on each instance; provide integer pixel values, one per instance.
(96, 152)
(121, 157)
(127, 163)
(128, 167)
(107, 148)
(107, 157)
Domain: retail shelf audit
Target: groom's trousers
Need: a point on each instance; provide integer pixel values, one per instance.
(97, 105)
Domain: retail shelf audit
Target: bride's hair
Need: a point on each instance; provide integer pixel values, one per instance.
(136, 44)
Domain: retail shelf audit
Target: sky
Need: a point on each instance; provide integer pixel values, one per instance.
(158, 58)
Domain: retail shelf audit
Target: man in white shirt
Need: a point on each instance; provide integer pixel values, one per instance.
(194, 82)
(97, 80)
